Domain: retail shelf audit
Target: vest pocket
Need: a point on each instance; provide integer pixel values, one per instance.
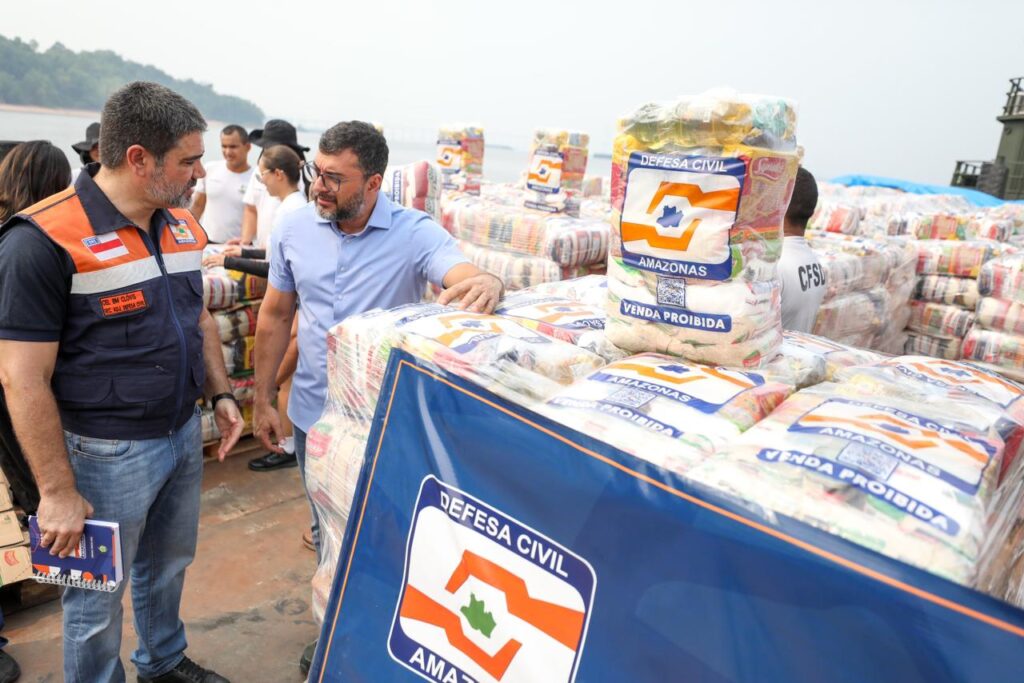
(121, 318)
(81, 390)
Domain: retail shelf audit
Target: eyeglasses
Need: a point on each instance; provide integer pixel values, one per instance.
(332, 181)
(260, 173)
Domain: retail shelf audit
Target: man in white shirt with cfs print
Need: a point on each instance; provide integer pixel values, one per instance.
(218, 196)
(803, 278)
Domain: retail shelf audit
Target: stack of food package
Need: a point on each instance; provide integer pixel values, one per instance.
(868, 283)
(416, 186)
(943, 311)
(558, 163)
(998, 337)
(233, 299)
(498, 353)
(699, 191)
(525, 247)
(460, 155)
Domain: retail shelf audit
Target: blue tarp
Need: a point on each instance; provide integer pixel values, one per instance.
(488, 544)
(976, 197)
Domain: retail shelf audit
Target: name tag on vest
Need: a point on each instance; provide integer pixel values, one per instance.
(123, 303)
(181, 233)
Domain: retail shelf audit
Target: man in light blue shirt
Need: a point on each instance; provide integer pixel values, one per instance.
(349, 251)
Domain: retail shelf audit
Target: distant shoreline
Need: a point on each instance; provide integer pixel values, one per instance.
(36, 109)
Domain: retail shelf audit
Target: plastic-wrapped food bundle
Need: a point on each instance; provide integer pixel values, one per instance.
(239, 355)
(578, 323)
(220, 290)
(460, 155)
(808, 349)
(857, 314)
(909, 483)
(945, 289)
(841, 218)
(494, 352)
(665, 411)
(237, 322)
(589, 289)
(416, 186)
(1003, 278)
(566, 241)
(593, 186)
(1003, 350)
(961, 259)
(847, 271)
(939, 320)
(208, 425)
(936, 347)
(558, 162)
(699, 190)
(1001, 315)
(520, 272)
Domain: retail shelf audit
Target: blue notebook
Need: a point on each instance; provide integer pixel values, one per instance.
(95, 564)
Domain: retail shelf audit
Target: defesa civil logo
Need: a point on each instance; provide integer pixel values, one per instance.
(487, 599)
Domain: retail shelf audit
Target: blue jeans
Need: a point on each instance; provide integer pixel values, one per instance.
(300, 456)
(151, 488)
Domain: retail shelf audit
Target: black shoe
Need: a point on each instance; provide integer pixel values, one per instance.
(273, 461)
(9, 669)
(306, 660)
(186, 671)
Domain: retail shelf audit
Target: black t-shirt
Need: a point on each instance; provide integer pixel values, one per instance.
(35, 281)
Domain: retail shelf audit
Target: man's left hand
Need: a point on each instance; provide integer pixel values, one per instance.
(230, 423)
(477, 294)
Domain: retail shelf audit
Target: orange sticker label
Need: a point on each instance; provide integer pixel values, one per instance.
(123, 303)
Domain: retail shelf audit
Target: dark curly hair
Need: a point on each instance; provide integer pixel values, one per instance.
(365, 141)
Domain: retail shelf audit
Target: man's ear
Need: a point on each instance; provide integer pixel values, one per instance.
(137, 158)
(375, 182)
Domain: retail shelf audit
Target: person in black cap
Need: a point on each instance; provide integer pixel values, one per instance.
(260, 208)
(88, 149)
(256, 229)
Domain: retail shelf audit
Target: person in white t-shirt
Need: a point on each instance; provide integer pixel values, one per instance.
(803, 278)
(218, 196)
(260, 205)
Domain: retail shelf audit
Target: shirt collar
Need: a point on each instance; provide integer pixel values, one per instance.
(103, 215)
(380, 217)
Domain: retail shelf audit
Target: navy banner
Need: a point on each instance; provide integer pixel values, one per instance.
(487, 544)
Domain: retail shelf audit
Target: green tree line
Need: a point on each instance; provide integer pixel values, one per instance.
(62, 78)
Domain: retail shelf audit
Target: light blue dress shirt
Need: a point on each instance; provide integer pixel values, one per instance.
(336, 275)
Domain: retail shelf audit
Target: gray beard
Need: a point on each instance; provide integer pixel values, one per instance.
(168, 195)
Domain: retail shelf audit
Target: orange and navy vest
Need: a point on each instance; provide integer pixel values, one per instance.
(130, 358)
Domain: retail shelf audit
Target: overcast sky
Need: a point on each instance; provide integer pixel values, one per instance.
(892, 88)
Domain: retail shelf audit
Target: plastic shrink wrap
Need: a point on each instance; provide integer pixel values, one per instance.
(495, 352)
(581, 324)
(563, 240)
(520, 272)
(460, 156)
(666, 411)
(699, 190)
(416, 186)
(835, 462)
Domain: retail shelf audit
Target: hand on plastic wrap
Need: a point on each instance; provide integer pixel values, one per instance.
(229, 423)
(266, 426)
(478, 294)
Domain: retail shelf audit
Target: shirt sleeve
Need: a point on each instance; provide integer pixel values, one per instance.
(280, 275)
(250, 196)
(437, 251)
(35, 282)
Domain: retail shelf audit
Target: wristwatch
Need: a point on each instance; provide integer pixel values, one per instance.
(228, 395)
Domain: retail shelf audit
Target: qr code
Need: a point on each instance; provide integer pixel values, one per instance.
(630, 398)
(672, 291)
(872, 462)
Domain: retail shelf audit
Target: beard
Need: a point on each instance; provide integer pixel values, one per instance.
(169, 195)
(342, 212)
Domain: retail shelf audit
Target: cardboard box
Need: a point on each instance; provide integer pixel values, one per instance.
(10, 530)
(15, 564)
